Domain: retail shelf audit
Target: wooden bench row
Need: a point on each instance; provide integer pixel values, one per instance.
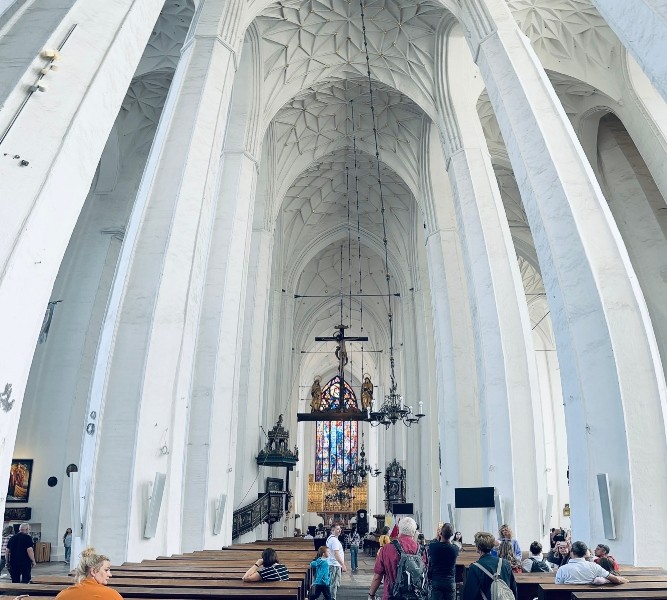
(194, 576)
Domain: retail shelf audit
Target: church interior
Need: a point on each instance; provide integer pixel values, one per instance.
(265, 264)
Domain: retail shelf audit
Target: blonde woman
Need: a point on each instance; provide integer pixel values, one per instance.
(92, 576)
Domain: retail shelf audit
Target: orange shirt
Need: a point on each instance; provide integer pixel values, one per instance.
(87, 589)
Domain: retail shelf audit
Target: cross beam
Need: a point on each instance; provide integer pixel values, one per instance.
(341, 355)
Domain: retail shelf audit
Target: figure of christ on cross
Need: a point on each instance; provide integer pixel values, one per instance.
(341, 355)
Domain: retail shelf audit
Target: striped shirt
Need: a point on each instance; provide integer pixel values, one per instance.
(276, 572)
(3, 548)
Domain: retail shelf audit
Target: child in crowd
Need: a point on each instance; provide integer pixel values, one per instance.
(321, 581)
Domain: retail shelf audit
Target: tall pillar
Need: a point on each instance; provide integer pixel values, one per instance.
(426, 432)
(143, 385)
(641, 26)
(212, 436)
(61, 134)
(253, 371)
(458, 410)
(612, 379)
(507, 372)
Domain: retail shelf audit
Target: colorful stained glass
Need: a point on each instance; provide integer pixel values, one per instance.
(336, 448)
(331, 395)
(336, 442)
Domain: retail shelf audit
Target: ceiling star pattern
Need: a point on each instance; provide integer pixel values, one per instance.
(163, 50)
(565, 29)
(319, 121)
(141, 109)
(307, 42)
(317, 202)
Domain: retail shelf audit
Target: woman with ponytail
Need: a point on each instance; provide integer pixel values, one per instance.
(92, 575)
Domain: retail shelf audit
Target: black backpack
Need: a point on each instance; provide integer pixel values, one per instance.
(539, 566)
(410, 576)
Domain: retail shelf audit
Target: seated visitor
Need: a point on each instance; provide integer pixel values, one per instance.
(321, 581)
(535, 563)
(607, 563)
(506, 551)
(506, 535)
(579, 570)
(458, 540)
(480, 573)
(267, 568)
(92, 576)
(602, 551)
(560, 555)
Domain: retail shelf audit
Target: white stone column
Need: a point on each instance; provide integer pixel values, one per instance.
(458, 409)
(61, 134)
(253, 371)
(213, 433)
(613, 385)
(426, 432)
(641, 25)
(507, 372)
(144, 380)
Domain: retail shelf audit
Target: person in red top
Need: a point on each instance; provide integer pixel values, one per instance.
(602, 551)
(386, 563)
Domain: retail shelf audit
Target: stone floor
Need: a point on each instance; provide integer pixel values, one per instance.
(354, 586)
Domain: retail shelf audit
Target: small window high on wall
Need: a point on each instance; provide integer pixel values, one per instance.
(336, 442)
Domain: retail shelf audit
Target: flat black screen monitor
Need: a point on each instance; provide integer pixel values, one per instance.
(481, 497)
(403, 508)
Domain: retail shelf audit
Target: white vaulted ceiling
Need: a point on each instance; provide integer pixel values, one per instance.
(316, 40)
(318, 99)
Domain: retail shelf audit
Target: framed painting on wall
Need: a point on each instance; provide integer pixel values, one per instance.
(20, 476)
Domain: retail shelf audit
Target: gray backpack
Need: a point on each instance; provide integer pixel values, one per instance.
(499, 589)
(410, 576)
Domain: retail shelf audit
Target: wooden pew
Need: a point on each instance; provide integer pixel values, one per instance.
(528, 583)
(621, 595)
(163, 593)
(552, 591)
(180, 583)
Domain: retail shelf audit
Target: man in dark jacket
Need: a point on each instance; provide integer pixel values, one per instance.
(20, 555)
(477, 582)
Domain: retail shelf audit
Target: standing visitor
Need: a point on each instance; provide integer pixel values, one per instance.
(480, 573)
(441, 572)
(336, 559)
(7, 532)
(354, 541)
(21, 555)
(67, 542)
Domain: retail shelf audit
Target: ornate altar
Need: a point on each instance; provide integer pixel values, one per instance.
(319, 490)
(394, 484)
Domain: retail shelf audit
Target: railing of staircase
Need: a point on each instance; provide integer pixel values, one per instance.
(268, 508)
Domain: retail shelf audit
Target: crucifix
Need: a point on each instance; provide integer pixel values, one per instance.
(341, 355)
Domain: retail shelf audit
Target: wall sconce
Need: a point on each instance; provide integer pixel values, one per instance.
(50, 53)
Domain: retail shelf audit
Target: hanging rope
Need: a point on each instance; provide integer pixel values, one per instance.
(382, 207)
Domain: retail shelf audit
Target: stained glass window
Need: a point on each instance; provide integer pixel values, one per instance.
(335, 441)
(331, 395)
